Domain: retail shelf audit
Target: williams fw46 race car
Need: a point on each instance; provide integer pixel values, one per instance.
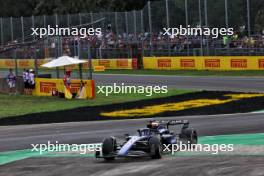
(149, 141)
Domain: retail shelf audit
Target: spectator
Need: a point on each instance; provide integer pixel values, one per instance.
(11, 81)
(31, 81)
(26, 81)
(67, 83)
(67, 79)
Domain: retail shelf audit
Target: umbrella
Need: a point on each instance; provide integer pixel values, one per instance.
(63, 61)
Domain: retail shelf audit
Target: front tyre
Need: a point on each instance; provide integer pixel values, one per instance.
(108, 148)
(155, 148)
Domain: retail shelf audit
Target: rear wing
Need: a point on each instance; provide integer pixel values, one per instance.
(178, 122)
(168, 123)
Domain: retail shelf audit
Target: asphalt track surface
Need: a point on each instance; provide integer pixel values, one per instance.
(20, 137)
(247, 84)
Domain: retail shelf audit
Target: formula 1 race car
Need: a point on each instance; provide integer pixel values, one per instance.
(149, 141)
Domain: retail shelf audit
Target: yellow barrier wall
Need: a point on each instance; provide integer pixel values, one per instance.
(45, 86)
(107, 63)
(205, 63)
(99, 68)
(7, 63)
(162, 63)
(113, 63)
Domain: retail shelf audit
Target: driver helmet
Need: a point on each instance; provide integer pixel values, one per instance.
(153, 124)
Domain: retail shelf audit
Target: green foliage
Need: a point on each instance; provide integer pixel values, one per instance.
(49, 7)
(237, 10)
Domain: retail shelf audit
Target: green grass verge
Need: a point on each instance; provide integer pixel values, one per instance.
(237, 139)
(188, 72)
(21, 104)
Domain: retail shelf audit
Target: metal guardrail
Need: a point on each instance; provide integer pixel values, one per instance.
(136, 52)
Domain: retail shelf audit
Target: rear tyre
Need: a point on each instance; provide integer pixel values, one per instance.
(108, 148)
(190, 137)
(155, 148)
